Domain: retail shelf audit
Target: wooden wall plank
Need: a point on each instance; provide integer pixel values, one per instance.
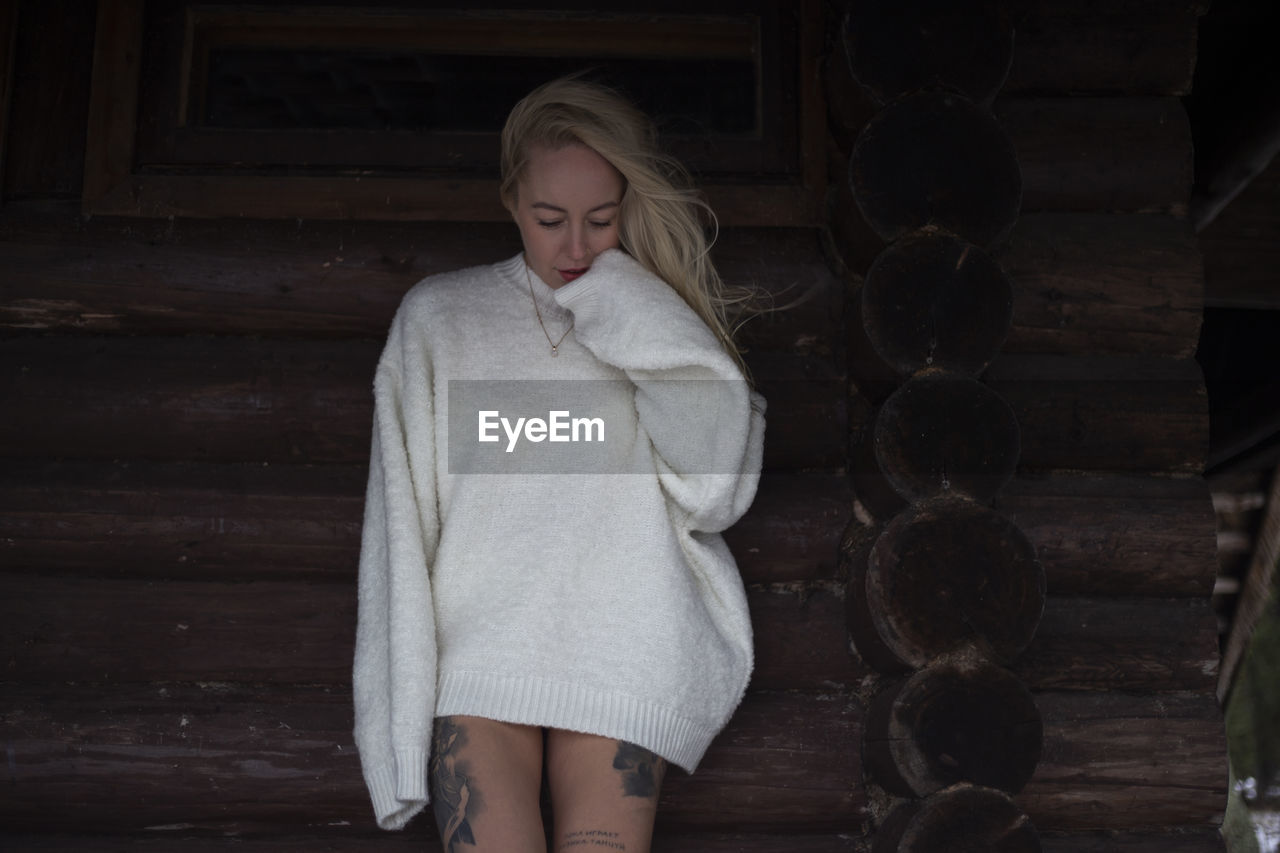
(1104, 752)
(1094, 284)
(1077, 154)
(1192, 840)
(412, 840)
(1118, 414)
(223, 399)
(1082, 283)
(241, 759)
(1136, 47)
(1095, 535)
(211, 758)
(88, 629)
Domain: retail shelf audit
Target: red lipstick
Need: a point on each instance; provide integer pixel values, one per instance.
(570, 275)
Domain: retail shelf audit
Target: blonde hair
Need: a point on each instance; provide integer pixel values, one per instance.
(660, 218)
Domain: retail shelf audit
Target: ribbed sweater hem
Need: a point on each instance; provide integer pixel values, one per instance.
(533, 701)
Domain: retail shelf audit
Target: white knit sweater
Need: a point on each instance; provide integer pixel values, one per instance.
(566, 598)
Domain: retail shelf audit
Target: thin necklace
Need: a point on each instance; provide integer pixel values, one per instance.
(555, 346)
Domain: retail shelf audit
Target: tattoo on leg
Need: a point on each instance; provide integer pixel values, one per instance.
(591, 838)
(641, 770)
(454, 798)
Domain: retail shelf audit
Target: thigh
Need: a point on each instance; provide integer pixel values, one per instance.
(485, 781)
(604, 793)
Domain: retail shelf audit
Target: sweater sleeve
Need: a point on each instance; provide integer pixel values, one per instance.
(394, 675)
(705, 423)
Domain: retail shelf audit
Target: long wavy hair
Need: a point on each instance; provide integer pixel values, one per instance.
(661, 218)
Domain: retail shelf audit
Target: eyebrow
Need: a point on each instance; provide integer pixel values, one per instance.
(542, 205)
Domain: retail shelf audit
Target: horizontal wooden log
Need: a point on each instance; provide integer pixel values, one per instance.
(1194, 840)
(234, 759)
(1105, 753)
(1094, 535)
(1095, 46)
(255, 522)
(1123, 536)
(1103, 284)
(227, 399)
(89, 629)
(221, 399)
(250, 762)
(1092, 283)
(1206, 839)
(1138, 645)
(325, 279)
(1101, 154)
(414, 840)
(1118, 414)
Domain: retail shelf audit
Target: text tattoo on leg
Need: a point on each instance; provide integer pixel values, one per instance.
(597, 838)
(641, 770)
(454, 798)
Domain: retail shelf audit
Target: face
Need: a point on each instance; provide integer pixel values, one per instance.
(566, 207)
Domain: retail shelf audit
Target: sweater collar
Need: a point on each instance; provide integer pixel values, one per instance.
(517, 273)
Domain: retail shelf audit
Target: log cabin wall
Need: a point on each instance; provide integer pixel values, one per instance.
(187, 409)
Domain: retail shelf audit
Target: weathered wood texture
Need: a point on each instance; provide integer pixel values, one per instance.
(1076, 154)
(1099, 172)
(1100, 750)
(1086, 283)
(241, 758)
(947, 574)
(78, 629)
(1192, 840)
(1096, 284)
(1133, 47)
(964, 817)
(413, 840)
(1094, 535)
(253, 759)
(222, 399)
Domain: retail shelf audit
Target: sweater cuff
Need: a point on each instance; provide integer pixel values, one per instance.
(399, 790)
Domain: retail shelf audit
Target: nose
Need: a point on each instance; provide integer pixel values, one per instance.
(577, 247)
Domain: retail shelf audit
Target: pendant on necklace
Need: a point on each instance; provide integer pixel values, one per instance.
(555, 351)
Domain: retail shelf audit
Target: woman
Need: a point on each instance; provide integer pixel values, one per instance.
(514, 623)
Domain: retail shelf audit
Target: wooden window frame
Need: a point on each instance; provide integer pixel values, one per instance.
(113, 186)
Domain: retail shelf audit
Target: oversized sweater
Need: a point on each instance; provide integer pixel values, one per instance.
(575, 584)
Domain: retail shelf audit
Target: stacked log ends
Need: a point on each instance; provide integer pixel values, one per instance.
(949, 589)
(964, 46)
(949, 575)
(944, 433)
(936, 160)
(932, 300)
(965, 817)
(950, 723)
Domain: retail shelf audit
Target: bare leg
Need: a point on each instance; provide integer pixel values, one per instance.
(604, 793)
(485, 780)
